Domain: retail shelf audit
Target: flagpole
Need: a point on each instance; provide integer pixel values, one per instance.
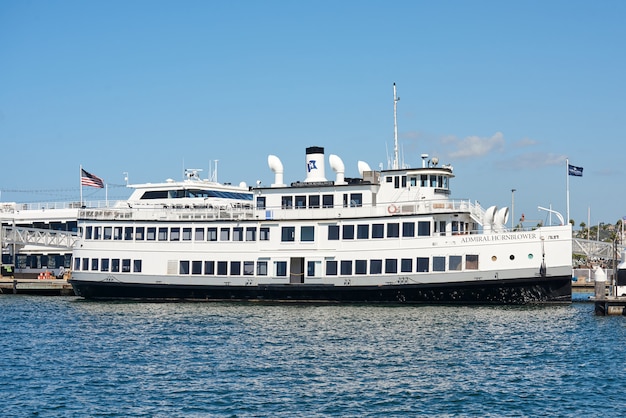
(567, 185)
(80, 179)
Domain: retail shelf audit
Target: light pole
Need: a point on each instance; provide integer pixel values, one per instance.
(598, 232)
(512, 207)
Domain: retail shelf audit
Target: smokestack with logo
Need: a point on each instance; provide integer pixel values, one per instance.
(314, 165)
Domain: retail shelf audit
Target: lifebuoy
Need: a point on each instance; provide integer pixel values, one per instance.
(392, 209)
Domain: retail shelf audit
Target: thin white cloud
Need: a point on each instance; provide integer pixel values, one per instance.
(532, 160)
(474, 146)
(524, 142)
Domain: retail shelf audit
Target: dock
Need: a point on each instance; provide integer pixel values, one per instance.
(611, 305)
(50, 287)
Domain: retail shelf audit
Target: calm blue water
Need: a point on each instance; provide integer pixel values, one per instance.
(69, 357)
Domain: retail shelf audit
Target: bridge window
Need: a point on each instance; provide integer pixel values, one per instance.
(199, 234)
(251, 234)
(175, 234)
(162, 234)
(224, 234)
(151, 235)
(211, 234)
(328, 201)
(117, 233)
(238, 233)
(108, 232)
(356, 200)
(88, 232)
(186, 234)
(139, 231)
(348, 232)
(260, 202)
(264, 234)
(77, 264)
(128, 233)
(97, 232)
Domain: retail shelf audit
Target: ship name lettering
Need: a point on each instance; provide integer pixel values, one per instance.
(498, 237)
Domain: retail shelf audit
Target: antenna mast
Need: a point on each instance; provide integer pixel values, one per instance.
(395, 128)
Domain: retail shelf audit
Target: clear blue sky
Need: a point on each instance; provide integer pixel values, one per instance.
(504, 91)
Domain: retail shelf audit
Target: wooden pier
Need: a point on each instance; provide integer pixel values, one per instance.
(49, 287)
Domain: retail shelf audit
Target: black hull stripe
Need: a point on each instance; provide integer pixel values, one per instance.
(496, 292)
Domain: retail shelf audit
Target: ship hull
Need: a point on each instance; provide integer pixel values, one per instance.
(545, 290)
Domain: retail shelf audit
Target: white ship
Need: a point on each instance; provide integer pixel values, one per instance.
(388, 236)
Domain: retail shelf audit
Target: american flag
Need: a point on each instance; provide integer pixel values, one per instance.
(88, 179)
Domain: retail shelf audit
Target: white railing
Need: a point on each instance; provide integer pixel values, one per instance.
(11, 207)
(234, 212)
(39, 237)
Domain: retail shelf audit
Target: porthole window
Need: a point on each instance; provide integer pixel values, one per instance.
(530, 256)
(494, 258)
(512, 257)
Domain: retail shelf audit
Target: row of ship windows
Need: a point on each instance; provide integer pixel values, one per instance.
(353, 199)
(288, 233)
(424, 181)
(332, 267)
(313, 201)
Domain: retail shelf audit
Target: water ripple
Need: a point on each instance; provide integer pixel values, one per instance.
(69, 357)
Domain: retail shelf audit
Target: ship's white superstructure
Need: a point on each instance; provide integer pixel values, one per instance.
(393, 235)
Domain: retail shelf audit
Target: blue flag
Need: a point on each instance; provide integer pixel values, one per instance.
(572, 170)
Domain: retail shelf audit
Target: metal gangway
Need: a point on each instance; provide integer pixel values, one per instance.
(597, 249)
(38, 237)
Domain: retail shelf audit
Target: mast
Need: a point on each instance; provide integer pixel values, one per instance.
(395, 128)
